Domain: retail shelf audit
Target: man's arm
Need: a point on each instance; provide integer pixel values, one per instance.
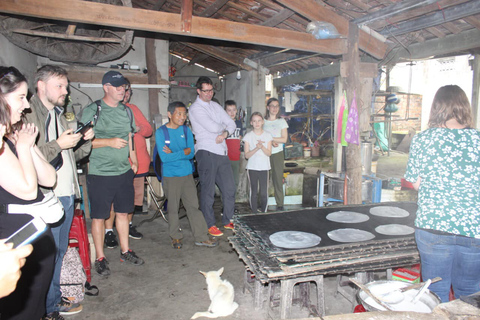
(168, 156)
(117, 143)
(200, 116)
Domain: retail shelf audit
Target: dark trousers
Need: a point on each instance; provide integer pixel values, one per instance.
(256, 179)
(29, 298)
(215, 169)
(277, 164)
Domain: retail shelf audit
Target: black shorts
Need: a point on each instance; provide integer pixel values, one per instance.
(105, 190)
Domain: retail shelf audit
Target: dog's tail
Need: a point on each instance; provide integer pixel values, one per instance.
(205, 314)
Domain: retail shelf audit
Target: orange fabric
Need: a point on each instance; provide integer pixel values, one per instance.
(144, 130)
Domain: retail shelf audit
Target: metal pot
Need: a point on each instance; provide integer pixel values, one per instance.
(430, 299)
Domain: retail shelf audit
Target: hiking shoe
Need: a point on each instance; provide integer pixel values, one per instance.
(131, 257)
(229, 226)
(177, 243)
(101, 266)
(111, 240)
(133, 233)
(53, 316)
(66, 307)
(215, 232)
(210, 243)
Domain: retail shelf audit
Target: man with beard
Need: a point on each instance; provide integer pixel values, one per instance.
(56, 141)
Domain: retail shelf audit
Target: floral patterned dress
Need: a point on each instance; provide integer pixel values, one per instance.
(448, 163)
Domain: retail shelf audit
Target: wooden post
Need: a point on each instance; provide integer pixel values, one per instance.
(352, 85)
(152, 77)
(475, 91)
(186, 15)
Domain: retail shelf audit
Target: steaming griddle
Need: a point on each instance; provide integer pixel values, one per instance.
(268, 262)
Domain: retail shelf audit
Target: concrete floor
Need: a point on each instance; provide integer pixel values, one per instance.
(169, 285)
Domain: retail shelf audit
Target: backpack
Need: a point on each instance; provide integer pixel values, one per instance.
(157, 161)
(129, 114)
(73, 280)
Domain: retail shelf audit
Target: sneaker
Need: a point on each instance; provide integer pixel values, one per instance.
(133, 233)
(139, 210)
(229, 226)
(53, 316)
(66, 307)
(177, 243)
(111, 240)
(131, 257)
(210, 243)
(101, 266)
(215, 232)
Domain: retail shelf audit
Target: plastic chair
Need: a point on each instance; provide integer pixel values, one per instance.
(78, 232)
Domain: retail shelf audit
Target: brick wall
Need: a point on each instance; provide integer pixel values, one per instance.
(415, 111)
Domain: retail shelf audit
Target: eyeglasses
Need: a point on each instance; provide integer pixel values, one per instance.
(122, 87)
(207, 91)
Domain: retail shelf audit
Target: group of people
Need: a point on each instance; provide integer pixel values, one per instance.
(39, 152)
(41, 149)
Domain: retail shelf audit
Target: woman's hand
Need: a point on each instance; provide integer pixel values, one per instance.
(27, 135)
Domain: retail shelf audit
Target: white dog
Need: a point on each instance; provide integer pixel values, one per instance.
(221, 294)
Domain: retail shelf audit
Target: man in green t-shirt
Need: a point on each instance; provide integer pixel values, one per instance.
(110, 175)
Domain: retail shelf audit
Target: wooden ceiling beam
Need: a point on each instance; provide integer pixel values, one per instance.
(392, 10)
(449, 14)
(467, 40)
(75, 11)
(220, 54)
(213, 8)
(313, 11)
(280, 17)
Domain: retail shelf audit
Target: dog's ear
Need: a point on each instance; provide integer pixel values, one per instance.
(220, 271)
(204, 273)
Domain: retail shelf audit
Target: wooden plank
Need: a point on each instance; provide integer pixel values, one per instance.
(313, 11)
(66, 36)
(170, 23)
(71, 29)
(392, 10)
(451, 44)
(220, 54)
(213, 8)
(278, 18)
(473, 20)
(94, 75)
(332, 70)
(186, 15)
(449, 14)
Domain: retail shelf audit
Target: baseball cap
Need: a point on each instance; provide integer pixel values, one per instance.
(115, 78)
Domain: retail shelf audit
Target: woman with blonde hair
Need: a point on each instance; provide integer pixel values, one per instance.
(444, 165)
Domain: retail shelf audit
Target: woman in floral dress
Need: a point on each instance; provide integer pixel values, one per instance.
(444, 165)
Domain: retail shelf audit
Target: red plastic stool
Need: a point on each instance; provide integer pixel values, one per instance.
(78, 232)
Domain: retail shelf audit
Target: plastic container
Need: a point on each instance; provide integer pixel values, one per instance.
(307, 152)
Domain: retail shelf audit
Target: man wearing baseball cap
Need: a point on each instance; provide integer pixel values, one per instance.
(110, 175)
